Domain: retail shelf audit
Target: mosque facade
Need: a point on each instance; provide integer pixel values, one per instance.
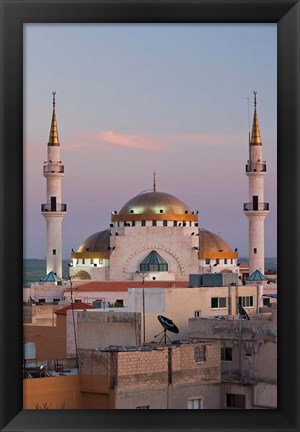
(154, 236)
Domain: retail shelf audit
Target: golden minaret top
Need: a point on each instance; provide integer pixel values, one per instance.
(255, 136)
(53, 137)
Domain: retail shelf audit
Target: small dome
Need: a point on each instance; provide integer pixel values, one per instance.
(98, 242)
(154, 203)
(210, 242)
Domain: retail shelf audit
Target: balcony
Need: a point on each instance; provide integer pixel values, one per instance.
(53, 169)
(256, 206)
(54, 208)
(256, 167)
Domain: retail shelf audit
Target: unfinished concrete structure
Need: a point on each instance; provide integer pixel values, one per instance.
(249, 354)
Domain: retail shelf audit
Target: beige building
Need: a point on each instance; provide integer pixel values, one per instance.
(179, 304)
(249, 358)
(183, 376)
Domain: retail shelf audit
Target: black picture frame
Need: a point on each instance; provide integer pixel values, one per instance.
(14, 13)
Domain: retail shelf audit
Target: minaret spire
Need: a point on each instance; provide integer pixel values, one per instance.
(256, 209)
(54, 210)
(53, 137)
(154, 183)
(255, 136)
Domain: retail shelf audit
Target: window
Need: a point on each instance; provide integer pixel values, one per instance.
(154, 223)
(54, 252)
(175, 223)
(197, 314)
(133, 223)
(266, 301)
(143, 407)
(207, 261)
(200, 354)
(143, 223)
(165, 223)
(83, 260)
(217, 261)
(255, 250)
(218, 302)
(225, 260)
(92, 261)
(235, 401)
(195, 404)
(246, 301)
(226, 354)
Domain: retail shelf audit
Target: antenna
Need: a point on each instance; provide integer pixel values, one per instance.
(248, 119)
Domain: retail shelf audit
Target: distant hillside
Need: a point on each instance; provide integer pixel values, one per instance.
(35, 269)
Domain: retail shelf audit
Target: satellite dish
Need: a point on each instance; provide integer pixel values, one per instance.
(243, 313)
(168, 325)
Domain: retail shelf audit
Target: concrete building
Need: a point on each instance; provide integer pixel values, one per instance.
(249, 358)
(183, 376)
(94, 327)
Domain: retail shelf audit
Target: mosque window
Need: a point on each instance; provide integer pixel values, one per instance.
(165, 223)
(143, 223)
(225, 260)
(207, 261)
(154, 223)
(83, 261)
(217, 261)
(133, 223)
(255, 250)
(175, 223)
(54, 252)
(153, 262)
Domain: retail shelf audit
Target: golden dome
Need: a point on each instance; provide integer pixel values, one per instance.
(98, 242)
(213, 246)
(95, 246)
(154, 205)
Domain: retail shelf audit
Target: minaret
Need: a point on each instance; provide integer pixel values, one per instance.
(256, 209)
(54, 211)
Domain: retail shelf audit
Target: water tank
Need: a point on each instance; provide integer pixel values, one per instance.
(29, 351)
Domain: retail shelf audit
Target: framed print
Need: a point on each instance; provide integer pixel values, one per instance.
(17, 20)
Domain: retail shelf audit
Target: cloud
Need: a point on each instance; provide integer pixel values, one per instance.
(104, 140)
(131, 140)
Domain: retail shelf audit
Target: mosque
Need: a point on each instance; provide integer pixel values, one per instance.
(154, 236)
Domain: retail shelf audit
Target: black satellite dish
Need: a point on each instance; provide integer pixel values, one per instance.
(168, 325)
(243, 313)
